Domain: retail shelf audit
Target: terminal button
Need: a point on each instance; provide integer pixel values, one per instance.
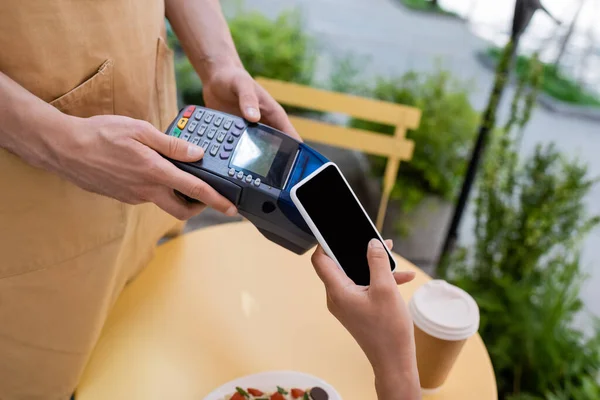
(182, 122)
(221, 136)
(240, 175)
(209, 117)
(228, 147)
(214, 149)
(192, 126)
(257, 182)
(224, 155)
(239, 124)
(211, 133)
(196, 140)
(228, 123)
(230, 139)
(202, 129)
(176, 132)
(231, 172)
(218, 121)
(198, 114)
(186, 136)
(236, 133)
(188, 111)
(248, 178)
(205, 144)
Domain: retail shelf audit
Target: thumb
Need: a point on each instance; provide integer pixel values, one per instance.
(379, 264)
(248, 99)
(172, 147)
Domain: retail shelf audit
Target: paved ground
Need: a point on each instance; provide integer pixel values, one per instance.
(396, 40)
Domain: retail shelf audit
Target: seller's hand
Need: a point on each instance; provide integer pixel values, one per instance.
(231, 89)
(119, 157)
(378, 319)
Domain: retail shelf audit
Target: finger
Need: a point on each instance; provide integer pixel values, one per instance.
(195, 188)
(389, 243)
(274, 115)
(167, 200)
(245, 88)
(379, 264)
(331, 275)
(169, 146)
(402, 277)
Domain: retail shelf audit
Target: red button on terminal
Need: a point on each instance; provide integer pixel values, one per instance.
(188, 111)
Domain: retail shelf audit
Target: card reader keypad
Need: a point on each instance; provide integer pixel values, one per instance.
(216, 133)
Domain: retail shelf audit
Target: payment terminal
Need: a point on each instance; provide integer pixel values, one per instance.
(254, 166)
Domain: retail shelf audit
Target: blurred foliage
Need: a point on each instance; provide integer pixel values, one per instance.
(277, 49)
(524, 270)
(189, 85)
(443, 139)
(345, 75)
(428, 6)
(555, 83)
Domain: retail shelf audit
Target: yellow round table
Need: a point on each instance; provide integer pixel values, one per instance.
(224, 302)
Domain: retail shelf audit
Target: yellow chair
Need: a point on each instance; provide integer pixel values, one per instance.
(396, 148)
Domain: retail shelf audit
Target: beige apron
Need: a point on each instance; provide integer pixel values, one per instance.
(65, 254)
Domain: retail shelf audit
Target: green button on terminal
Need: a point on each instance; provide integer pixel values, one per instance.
(176, 132)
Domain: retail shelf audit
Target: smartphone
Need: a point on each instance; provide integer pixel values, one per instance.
(338, 220)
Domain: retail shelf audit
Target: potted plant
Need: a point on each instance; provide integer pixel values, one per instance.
(420, 201)
(523, 269)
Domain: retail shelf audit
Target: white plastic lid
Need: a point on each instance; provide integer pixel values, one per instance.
(444, 311)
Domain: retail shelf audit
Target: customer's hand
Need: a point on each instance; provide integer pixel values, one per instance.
(119, 157)
(231, 89)
(378, 319)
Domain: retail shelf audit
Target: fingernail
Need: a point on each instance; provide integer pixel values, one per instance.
(375, 244)
(252, 112)
(195, 151)
(231, 211)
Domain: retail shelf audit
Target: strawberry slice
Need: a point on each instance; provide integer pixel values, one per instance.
(255, 392)
(297, 393)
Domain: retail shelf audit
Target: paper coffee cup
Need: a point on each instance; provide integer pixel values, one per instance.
(444, 316)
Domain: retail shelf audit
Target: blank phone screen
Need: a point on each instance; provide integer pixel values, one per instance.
(338, 216)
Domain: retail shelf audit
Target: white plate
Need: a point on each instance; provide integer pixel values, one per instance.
(268, 381)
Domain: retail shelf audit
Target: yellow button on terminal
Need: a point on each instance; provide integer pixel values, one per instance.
(182, 122)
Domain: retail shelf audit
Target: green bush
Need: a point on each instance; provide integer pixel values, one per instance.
(525, 275)
(277, 49)
(523, 269)
(188, 84)
(443, 139)
(555, 83)
(427, 6)
(345, 76)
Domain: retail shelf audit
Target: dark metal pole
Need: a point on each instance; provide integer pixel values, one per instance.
(524, 10)
(487, 125)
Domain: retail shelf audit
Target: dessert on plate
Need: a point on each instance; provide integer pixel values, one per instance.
(315, 393)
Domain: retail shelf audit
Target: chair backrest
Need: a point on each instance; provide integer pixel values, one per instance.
(396, 148)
